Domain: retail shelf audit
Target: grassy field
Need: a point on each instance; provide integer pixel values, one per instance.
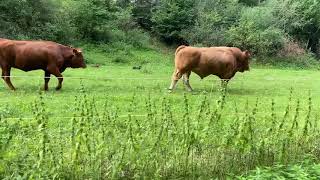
(122, 82)
(118, 122)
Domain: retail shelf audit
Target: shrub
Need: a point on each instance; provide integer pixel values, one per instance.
(207, 30)
(303, 61)
(171, 17)
(212, 22)
(256, 32)
(291, 49)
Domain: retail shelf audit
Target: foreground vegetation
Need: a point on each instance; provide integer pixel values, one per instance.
(118, 122)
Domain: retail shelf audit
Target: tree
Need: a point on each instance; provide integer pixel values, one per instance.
(251, 2)
(257, 32)
(142, 12)
(123, 3)
(173, 16)
(300, 19)
(28, 19)
(93, 18)
(213, 20)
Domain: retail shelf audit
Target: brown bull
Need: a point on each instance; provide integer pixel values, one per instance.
(51, 57)
(223, 62)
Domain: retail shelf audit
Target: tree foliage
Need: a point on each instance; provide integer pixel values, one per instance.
(263, 26)
(142, 12)
(92, 18)
(34, 18)
(256, 31)
(300, 19)
(173, 16)
(213, 20)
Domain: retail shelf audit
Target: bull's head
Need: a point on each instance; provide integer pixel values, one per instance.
(77, 60)
(244, 62)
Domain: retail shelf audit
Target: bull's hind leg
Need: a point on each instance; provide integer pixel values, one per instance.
(46, 80)
(175, 78)
(186, 80)
(6, 76)
(55, 71)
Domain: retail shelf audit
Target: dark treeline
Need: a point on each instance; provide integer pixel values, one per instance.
(266, 27)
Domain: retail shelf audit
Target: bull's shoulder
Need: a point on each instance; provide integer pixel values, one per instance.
(66, 51)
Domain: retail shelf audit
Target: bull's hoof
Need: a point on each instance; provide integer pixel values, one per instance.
(58, 88)
(170, 91)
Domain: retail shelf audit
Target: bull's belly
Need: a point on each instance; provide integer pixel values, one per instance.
(29, 64)
(201, 74)
(29, 67)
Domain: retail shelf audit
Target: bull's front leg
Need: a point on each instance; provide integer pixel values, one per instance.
(55, 71)
(6, 76)
(175, 78)
(46, 80)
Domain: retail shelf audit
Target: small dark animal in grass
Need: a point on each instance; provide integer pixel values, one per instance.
(96, 65)
(223, 62)
(49, 56)
(137, 67)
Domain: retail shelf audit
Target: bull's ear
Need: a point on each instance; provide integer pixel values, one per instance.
(247, 53)
(77, 51)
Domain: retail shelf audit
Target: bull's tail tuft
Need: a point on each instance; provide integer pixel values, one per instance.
(179, 48)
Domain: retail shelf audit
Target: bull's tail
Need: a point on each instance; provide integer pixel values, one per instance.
(179, 48)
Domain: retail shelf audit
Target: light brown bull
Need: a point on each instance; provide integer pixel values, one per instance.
(223, 62)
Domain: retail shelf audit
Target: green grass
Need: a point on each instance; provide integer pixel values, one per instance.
(116, 122)
(126, 54)
(122, 82)
(302, 170)
(127, 91)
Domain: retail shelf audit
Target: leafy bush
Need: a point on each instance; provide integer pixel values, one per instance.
(212, 22)
(207, 30)
(303, 61)
(92, 17)
(301, 20)
(291, 49)
(33, 19)
(171, 17)
(256, 32)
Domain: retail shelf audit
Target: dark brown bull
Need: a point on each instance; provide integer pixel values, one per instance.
(51, 57)
(223, 62)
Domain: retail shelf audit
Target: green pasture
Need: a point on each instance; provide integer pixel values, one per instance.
(122, 82)
(113, 122)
